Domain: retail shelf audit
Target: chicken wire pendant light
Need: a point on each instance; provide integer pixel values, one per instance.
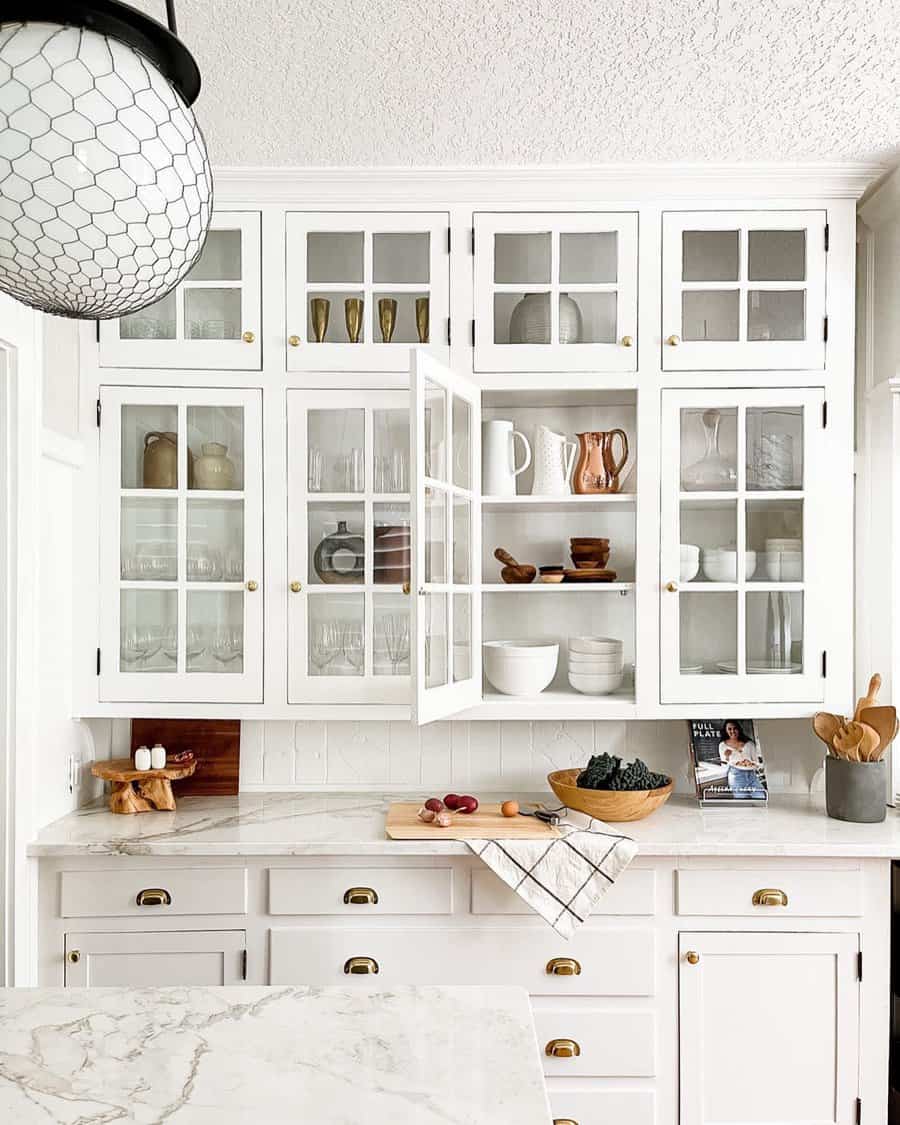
(105, 185)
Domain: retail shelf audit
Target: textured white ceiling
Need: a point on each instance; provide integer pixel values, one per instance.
(492, 82)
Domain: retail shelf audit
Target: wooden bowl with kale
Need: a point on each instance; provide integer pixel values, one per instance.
(610, 790)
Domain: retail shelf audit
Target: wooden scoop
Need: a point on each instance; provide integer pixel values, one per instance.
(884, 721)
(870, 699)
(512, 571)
(826, 726)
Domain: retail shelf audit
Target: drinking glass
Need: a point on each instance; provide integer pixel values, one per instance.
(395, 630)
(228, 645)
(324, 643)
(354, 650)
(135, 645)
(354, 471)
(399, 473)
(316, 469)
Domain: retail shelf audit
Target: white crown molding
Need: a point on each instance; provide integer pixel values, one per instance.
(883, 204)
(566, 185)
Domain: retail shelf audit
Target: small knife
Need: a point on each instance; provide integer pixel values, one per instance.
(543, 815)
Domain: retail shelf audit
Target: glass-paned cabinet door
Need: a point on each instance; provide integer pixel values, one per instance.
(181, 553)
(363, 288)
(445, 428)
(743, 290)
(211, 320)
(556, 292)
(744, 502)
(349, 547)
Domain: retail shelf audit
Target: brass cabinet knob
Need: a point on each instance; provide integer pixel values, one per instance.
(357, 896)
(406, 587)
(563, 967)
(672, 587)
(360, 966)
(252, 586)
(294, 341)
(692, 957)
(296, 587)
(248, 337)
(153, 896)
(769, 896)
(673, 341)
(627, 341)
(74, 957)
(562, 1049)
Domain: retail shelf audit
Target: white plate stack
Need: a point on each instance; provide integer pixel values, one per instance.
(596, 664)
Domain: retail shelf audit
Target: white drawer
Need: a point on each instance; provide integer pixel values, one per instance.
(604, 1107)
(819, 892)
(612, 962)
(185, 890)
(613, 1044)
(327, 890)
(634, 893)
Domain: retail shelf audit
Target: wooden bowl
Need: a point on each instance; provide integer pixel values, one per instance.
(611, 805)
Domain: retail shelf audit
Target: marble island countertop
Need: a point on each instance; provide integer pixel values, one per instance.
(333, 1056)
(270, 824)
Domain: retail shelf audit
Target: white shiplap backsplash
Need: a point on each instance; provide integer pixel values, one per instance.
(479, 756)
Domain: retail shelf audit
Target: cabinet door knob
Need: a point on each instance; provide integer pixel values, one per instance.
(357, 896)
(294, 341)
(673, 341)
(769, 896)
(248, 337)
(627, 341)
(74, 956)
(692, 957)
(562, 1049)
(360, 966)
(296, 587)
(153, 896)
(406, 587)
(672, 587)
(252, 586)
(563, 967)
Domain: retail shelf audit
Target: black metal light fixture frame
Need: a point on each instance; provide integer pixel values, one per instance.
(119, 21)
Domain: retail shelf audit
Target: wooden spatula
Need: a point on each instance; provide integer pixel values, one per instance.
(884, 721)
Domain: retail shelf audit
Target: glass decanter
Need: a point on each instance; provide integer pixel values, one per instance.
(713, 471)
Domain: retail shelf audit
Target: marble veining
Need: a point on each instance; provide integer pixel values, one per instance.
(350, 824)
(329, 1056)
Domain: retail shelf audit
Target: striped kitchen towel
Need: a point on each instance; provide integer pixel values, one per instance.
(562, 879)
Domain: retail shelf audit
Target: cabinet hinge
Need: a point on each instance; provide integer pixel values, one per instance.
(859, 965)
(824, 665)
(98, 661)
(826, 237)
(448, 240)
(99, 412)
(472, 244)
(825, 330)
(97, 330)
(824, 414)
(244, 965)
(858, 1111)
(472, 333)
(448, 331)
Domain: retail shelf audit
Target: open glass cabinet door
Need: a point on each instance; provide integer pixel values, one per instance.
(445, 427)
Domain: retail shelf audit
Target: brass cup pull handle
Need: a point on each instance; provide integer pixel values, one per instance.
(627, 341)
(294, 341)
(361, 896)
(769, 896)
(406, 588)
(673, 341)
(248, 337)
(564, 1121)
(360, 966)
(74, 957)
(692, 957)
(153, 896)
(562, 1049)
(563, 967)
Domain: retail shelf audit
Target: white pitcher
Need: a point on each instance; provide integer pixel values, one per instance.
(553, 461)
(498, 460)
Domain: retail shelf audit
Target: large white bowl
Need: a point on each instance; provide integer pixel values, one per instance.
(596, 646)
(596, 684)
(784, 566)
(720, 565)
(520, 667)
(690, 561)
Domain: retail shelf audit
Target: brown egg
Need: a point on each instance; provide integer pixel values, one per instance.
(510, 808)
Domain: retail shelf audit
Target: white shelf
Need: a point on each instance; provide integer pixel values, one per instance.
(555, 703)
(538, 587)
(622, 500)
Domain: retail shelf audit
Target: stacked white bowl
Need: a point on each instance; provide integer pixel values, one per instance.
(784, 560)
(523, 667)
(596, 664)
(690, 561)
(720, 564)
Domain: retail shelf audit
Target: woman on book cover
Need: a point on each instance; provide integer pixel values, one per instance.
(740, 754)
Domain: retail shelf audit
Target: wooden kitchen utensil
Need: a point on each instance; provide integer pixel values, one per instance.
(871, 698)
(826, 726)
(486, 823)
(154, 787)
(514, 573)
(884, 721)
(855, 741)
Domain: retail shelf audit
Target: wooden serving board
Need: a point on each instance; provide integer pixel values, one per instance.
(216, 744)
(487, 823)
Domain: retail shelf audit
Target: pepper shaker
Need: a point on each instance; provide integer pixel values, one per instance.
(158, 757)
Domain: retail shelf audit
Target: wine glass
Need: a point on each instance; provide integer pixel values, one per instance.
(395, 629)
(324, 644)
(135, 643)
(227, 645)
(354, 649)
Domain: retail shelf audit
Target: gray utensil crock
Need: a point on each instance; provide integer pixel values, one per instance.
(855, 790)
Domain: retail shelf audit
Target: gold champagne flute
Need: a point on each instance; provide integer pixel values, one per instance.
(320, 308)
(387, 317)
(422, 312)
(353, 315)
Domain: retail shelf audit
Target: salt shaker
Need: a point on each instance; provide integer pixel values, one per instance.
(158, 757)
(142, 758)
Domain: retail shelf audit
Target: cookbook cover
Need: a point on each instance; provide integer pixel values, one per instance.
(727, 761)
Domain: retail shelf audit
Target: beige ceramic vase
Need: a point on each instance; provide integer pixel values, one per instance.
(160, 464)
(213, 470)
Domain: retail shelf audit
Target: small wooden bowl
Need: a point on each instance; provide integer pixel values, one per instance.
(611, 805)
(553, 576)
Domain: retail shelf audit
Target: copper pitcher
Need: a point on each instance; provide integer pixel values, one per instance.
(597, 469)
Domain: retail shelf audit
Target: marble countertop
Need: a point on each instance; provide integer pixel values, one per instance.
(333, 1056)
(269, 824)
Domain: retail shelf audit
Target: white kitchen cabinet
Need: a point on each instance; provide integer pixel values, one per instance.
(743, 290)
(181, 552)
(151, 960)
(364, 287)
(744, 610)
(212, 320)
(769, 1028)
(556, 291)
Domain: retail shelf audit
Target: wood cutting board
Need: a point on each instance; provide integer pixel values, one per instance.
(216, 744)
(487, 823)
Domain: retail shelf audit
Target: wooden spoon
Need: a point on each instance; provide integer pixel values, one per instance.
(826, 726)
(870, 698)
(884, 721)
(512, 571)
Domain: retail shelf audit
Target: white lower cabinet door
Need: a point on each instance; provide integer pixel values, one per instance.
(769, 1028)
(156, 960)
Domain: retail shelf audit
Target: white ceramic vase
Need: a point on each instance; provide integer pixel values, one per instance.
(530, 320)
